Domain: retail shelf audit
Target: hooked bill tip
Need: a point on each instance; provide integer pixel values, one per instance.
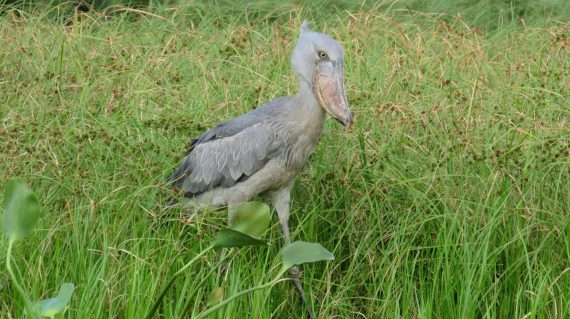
(349, 120)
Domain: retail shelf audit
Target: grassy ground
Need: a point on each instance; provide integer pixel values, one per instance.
(449, 198)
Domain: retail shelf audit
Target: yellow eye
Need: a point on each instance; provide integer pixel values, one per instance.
(323, 55)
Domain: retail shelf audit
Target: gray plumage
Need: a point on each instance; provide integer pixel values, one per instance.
(262, 151)
(231, 151)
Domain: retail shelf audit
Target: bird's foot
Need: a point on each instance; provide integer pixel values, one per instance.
(294, 272)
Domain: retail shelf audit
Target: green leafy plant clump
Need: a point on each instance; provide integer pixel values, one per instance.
(21, 213)
(251, 221)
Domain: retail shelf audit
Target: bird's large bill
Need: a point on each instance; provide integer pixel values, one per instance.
(329, 89)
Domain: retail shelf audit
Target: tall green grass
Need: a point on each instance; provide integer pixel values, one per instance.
(488, 15)
(448, 198)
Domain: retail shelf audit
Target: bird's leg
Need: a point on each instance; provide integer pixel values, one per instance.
(281, 201)
(283, 213)
(282, 206)
(232, 210)
(220, 252)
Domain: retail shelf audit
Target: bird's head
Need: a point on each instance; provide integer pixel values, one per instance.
(318, 64)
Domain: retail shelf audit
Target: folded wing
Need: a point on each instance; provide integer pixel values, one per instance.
(228, 153)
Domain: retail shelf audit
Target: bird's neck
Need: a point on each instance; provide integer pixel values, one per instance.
(304, 127)
(308, 103)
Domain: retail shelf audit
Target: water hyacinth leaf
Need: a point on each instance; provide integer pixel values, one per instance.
(301, 252)
(58, 304)
(228, 237)
(252, 218)
(21, 209)
(215, 296)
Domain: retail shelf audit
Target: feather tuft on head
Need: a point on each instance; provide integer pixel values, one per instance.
(305, 26)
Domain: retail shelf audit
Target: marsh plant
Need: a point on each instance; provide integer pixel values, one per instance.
(21, 213)
(251, 222)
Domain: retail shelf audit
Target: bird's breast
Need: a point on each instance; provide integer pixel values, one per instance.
(300, 148)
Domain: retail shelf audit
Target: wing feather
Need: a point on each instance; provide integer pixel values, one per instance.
(216, 159)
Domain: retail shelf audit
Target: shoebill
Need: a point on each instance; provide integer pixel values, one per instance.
(262, 151)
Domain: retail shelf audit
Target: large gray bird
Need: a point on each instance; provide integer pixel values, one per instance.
(262, 151)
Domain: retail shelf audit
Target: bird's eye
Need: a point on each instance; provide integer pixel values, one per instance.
(323, 55)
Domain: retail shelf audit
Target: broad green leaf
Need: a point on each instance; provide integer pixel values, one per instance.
(21, 209)
(215, 296)
(301, 252)
(252, 218)
(58, 304)
(228, 237)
